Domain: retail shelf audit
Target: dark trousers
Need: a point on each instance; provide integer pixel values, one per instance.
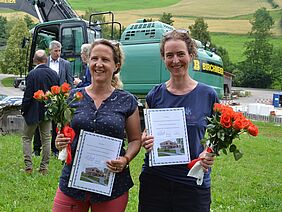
(37, 140)
(157, 194)
(54, 134)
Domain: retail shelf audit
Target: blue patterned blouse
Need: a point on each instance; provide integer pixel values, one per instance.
(109, 119)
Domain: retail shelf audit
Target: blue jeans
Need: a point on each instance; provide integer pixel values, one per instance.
(157, 194)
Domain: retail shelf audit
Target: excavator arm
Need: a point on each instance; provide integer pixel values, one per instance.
(44, 10)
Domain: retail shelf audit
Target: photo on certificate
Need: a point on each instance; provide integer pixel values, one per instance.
(171, 145)
(89, 170)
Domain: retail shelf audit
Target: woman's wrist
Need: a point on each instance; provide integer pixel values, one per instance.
(127, 159)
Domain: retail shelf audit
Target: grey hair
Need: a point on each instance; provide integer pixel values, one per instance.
(54, 44)
(86, 49)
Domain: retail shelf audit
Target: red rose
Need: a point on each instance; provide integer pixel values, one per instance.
(217, 107)
(238, 115)
(38, 95)
(78, 96)
(225, 120)
(55, 89)
(65, 87)
(247, 123)
(238, 124)
(253, 130)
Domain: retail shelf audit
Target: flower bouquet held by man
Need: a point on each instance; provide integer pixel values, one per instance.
(59, 110)
(223, 127)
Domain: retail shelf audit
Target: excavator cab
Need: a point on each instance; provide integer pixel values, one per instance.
(71, 33)
(58, 21)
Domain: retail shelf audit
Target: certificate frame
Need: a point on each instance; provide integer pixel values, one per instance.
(89, 170)
(171, 144)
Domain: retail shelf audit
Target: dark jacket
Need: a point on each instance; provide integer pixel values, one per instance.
(85, 78)
(40, 78)
(65, 72)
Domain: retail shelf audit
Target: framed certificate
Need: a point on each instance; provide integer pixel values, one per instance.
(89, 171)
(168, 126)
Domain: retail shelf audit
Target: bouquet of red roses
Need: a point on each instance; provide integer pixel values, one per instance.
(59, 111)
(223, 127)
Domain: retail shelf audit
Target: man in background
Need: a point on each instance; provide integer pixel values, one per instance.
(63, 69)
(58, 64)
(40, 78)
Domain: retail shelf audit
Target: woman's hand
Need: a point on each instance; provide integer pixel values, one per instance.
(207, 160)
(76, 81)
(147, 141)
(61, 142)
(118, 165)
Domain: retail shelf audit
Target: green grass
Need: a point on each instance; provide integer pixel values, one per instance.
(8, 81)
(110, 5)
(254, 182)
(4, 10)
(251, 184)
(275, 14)
(235, 44)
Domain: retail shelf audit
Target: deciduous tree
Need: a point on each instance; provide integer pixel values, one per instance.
(14, 56)
(167, 18)
(257, 67)
(277, 69)
(199, 31)
(29, 22)
(3, 32)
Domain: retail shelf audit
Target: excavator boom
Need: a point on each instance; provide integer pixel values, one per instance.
(44, 10)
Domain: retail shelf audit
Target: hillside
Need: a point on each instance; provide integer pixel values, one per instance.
(225, 16)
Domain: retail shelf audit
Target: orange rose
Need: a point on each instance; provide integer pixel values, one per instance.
(238, 124)
(226, 110)
(38, 95)
(247, 123)
(225, 120)
(238, 115)
(253, 130)
(217, 107)
(78, 96)
(55, 89)
(65, 87)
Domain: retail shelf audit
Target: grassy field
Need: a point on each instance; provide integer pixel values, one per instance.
(228, 8)
(230, 17)
(251, 184)
(229, 24)
(234, 44)
(110, 5)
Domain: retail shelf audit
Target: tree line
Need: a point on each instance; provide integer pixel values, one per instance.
(262, 67)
